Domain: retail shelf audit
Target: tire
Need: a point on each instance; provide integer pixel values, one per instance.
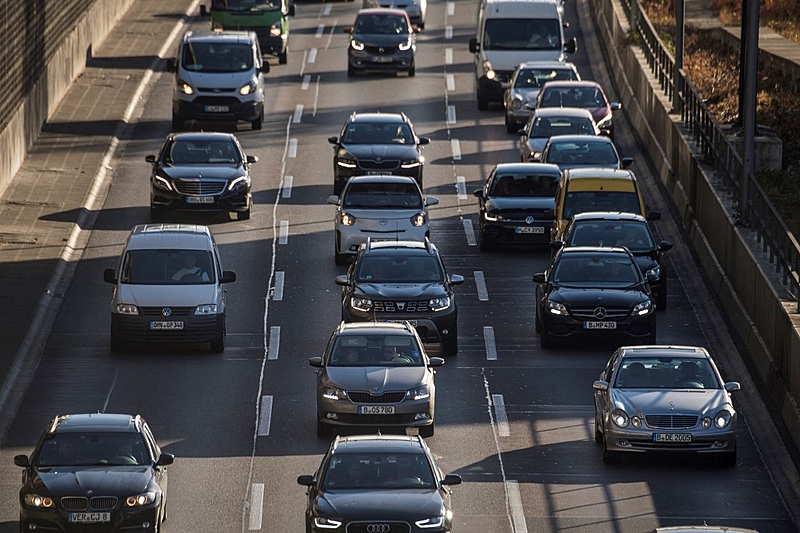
(412, 71)
(483, 103)
(661, 301)
(218, 344)
(450, 349)
(598, 435)
(155, 214)
(322, 429)
(546, 340)
(258, 123)
(728, 459)
(426, 432)
(350, 70)
(283, 57)
(243, 215)
(511, 126)
(650, 339)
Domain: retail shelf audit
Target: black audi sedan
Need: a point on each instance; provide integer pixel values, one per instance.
(516, 204)
(377, 143)
(94, 472)
(381, 40)
(201, 172)
(594, 292)
(379, 483)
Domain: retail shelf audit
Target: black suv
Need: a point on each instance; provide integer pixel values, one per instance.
(377, 143)
(403, 281)
(94, 472)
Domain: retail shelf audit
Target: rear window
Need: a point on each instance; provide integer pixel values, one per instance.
(584, 201)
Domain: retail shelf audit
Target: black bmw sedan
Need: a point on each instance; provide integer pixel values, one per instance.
(380, 483)
(200, 171)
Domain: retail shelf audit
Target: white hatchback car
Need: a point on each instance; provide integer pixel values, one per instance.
(383, 208)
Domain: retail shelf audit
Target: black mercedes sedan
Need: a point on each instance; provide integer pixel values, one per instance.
(377, 143)
(201, 172)
(379, 483)
(516, 204)
(594, 292)
(94, 472)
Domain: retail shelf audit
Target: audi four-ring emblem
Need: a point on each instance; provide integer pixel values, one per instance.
(378, 528)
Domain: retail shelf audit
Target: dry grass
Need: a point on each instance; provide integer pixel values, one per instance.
(714, 71)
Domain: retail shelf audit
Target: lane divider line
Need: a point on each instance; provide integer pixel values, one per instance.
(298, 114)
(265, 419)
(292, 152)
(274, 342)
(320, 31)
(501, 415)
(451, 9)
(480, 285)
(448, 32)
(277, 289)
(312, 55)
(515, 504)
(469, 233)
(256, 507)
(306, 82)
(286, 190)
(316, 96)
(461, 187)
(283, 232)
(455, 147)
(450, 82)
(488, 341)
(451, 115)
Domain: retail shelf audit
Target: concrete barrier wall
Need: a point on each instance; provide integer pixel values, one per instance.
(728, 254)
(67, 64)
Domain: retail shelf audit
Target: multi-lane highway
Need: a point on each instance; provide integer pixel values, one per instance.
(515, 421)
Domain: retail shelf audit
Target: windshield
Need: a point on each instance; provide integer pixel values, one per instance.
(200, 152)
(595, 270)
(398, 269)
(524, 185)
(635, 236)
(386, 471)
(167, 267)
(376, 195)
(217, 57)
(93, 449)
(666, 373)
(245, 5)
(534, 78)
(521, 34)
(378, 133)
(381, 25)
(375, 350)
(586, 97)
(584, 201)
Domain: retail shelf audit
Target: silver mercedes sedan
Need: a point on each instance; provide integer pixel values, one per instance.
(664, 399)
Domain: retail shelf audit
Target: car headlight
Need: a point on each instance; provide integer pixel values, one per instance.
(488, 70)
(248, 87)
(492, 216)
(275, 30)
(437, 304)
(240, 182)
(326, 523)
(357, 45)
(556, 308)
(436, 521)
(636, 422)
(605, 123)
(346, 163)
(411, 163)
(643, 308)
(516, 103)
(206, 309)
(619, 418)
(161, 183)
(184, 87)
(138, 500)
(333, 393)
(34, 500)
(723, 418)
(418, 219)
(405, 46)
(654, 273)
(360, 304)
(419, 393)
(127, 309)
(347, 219)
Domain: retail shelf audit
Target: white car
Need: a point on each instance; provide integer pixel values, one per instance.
(384, 208)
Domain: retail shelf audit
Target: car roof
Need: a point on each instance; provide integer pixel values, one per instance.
(690, 352)
(377, 443)
(563, 112)
(378, 116)
(384, 178)
(571, 83)
(502, 168)
(585, 173)
(422, 247)
(216, 36)
(170, 236)
(598, 139)
(381, 11)
(575, 250)
(566, 65)
(96, 422)
(370, 328)
(608, 215)
(202, 136)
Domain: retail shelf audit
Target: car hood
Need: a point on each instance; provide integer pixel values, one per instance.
(377, 379)
(393, 291)
(537, 143)
(528, 95)
(678, 401)
(216, 80)
(167, 295)
(380, 39)
(507, 60)
(380, 151)
(107, 481)
(405, 504)
(502, 203)
(598, 297)
(225, 172)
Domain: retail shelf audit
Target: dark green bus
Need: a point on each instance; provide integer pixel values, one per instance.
(268, 18)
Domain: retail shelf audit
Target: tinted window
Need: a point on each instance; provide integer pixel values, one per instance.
(584, 201)
(521, 34)
(376, 133)
(381, 24)
(378, 471)
(524, 185)
(532, 78)
(370, 350)
(547, 127)
(76, 449)
(201, 152)
(633, 235)
(666, 373)
(167, 267)
(398, 269)
(388, 195)
(596, 270)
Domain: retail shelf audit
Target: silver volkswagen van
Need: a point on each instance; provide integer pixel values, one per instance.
(168, 288)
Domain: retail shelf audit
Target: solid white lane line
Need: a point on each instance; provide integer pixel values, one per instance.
(256, 506)
(469, 232)
(277, 289)
(488, 341)
(455, 146)
(448, 56)
(461, 187)
(316, 96)
(448, 32)
(286, 190)
(500, 414)
(451, 114)
(450, 82)
(306, 82)
(298, 114)
(265, 418)
(303, 62)
(312, 55)
(274, 342)
(320, 31)
(480, 284)
(283, 232)
(292, 151)
(515, 503)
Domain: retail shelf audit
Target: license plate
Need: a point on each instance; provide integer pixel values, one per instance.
(88, 518)
(375, 173)
(199, 199)
(412, 322)
(599, 325)
(216, 109)
(376, 409)
(166, 324)
(672, 437)
(537, 230)
(382, 59)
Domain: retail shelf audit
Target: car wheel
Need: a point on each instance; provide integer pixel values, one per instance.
(511, 126)
(411, 72)
(322, 429)
(546, 340)
(426, 431)
(257, 123)
(156, 213)
(609, 457)
(650, 339)
(243, 215)
(350, 71)
(484, 245)
(283, 57)
(338, 185)
(661, 301)
(598, 435)
(450, 348)
(177, 123)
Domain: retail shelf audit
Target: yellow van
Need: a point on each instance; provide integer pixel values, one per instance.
(597, 189)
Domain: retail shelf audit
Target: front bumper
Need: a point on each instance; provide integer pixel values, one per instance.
(369, 60)
(346, 413)
(139, 329)
(643, 440)
(516, 232)
(141, 520)
(235, 200)
(218, 109)
(632, 328)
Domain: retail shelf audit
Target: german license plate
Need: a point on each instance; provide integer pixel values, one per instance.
(382, 59)
(216, 109)
(536, 230)
(374, 173)
(672, 437)
(376, 409)
(199, 199)
(88, 518)
(599, 325)
(166, 324)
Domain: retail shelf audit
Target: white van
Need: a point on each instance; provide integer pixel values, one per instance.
(218, 77)
(511, 32)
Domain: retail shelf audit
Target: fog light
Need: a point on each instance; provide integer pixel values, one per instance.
(622, 443)
(31, 526)
(445, 332)
(331, 416)
(145, 525)
(422, 416)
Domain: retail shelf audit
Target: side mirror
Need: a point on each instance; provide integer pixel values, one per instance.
(436, 361)
(150, 158)
(473, 45)
(477, 193)
(252, 159)
(341, 280)
(165, 459)
(264, 68)
(615, 106)
(664, 246)
(291, 10)
(228, 276)
(21, 460)
(556, 245)
(333, 199)
(456, 279)
(333, 140)
(451, 479)
(600, 385)
(539, 277)
(316, 362)
(730, 386)
(626, 162)
(431, 200)
(654, 215)
(109, 275)
(347, 29)
(203, 10)
(571, 46)
(305, 480)
(423, 141)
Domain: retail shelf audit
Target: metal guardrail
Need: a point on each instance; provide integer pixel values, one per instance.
(717, 150)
